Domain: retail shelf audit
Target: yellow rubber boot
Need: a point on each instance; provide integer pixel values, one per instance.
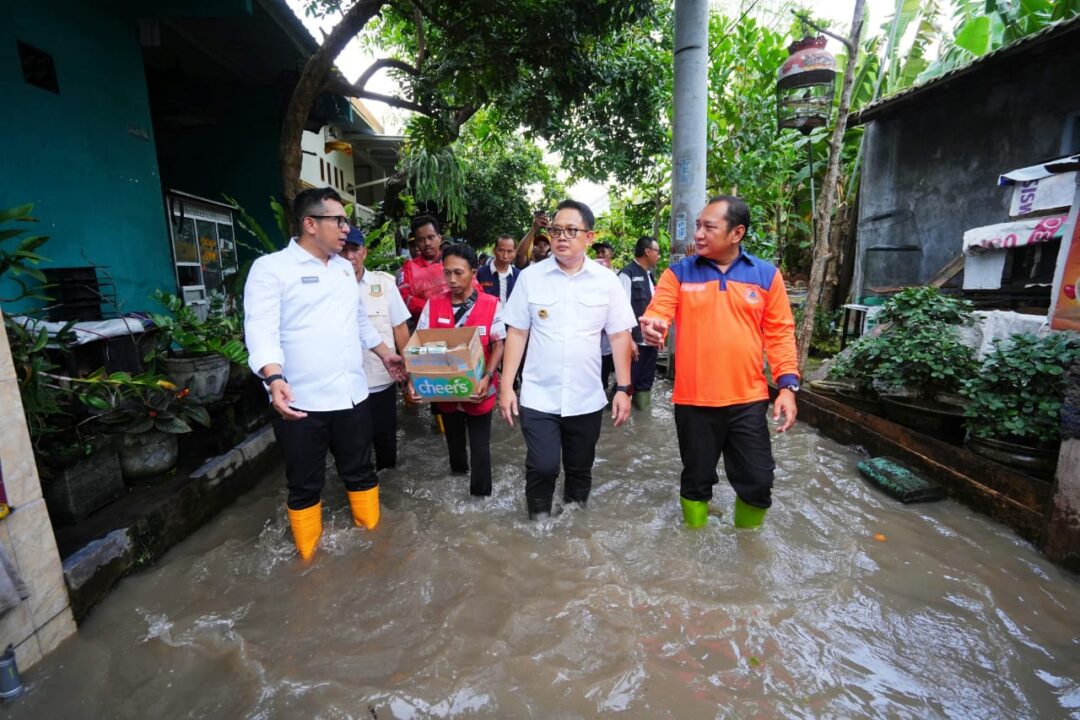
(365, 507)
(306, 529)
(747, 516)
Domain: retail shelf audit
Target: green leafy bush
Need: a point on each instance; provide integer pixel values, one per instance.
(183, 331)
(1018, 390)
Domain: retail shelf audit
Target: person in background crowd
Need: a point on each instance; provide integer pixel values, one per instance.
(464, 306)
(536, 245)
(730, 310)
(638, 283)
(603, 253)
(558, 309)
(421, 277)
(306, 338)
(387, 313)
(498, 275)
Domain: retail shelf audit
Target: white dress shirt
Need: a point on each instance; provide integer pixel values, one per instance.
(303, 314)
(564, 315)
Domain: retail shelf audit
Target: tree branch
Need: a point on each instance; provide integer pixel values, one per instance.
(342, 86)
(805, 20)
(378, 65)
(421, 38)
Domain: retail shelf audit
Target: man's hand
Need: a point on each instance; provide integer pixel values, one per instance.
(620, 408)
(635, 353)
(653, 331)
(784, 410)
(281, 397)
(540, 220)
(394, 363)
(508, 405)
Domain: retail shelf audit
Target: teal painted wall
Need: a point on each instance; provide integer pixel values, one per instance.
(237, 155)
(78, 155)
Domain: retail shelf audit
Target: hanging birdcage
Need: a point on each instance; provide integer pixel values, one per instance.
(804, 88)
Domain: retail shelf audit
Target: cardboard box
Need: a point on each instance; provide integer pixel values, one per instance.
(449, 376)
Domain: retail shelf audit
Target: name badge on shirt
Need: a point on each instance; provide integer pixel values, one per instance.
(482, 329)
(376, 290)
(639, 279)
(308, 279)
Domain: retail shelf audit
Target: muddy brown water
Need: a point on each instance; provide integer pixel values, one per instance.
(454, 608)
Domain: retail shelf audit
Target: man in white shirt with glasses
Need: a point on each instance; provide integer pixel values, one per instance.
(306, 338)
(558, 309)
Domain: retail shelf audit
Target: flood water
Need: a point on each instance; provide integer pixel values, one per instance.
(461, 608)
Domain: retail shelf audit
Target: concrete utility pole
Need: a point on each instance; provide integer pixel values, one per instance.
(691, 112)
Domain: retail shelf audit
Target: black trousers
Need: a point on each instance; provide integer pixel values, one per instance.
(549, 436)
(643, 370)
(304, 442)
(456, 426)
(384, 427)
(741, 434)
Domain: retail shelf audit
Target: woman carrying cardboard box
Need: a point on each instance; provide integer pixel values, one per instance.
(463, 306)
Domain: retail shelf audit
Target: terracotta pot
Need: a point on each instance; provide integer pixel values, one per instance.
(943, 421)
(205, 376)
(147, 454)
(1037, 460)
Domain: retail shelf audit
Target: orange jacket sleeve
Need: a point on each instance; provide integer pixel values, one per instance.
(778, 328)
(665, 299)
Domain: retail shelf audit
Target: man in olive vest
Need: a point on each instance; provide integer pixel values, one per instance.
(638, 283)
(387, 312)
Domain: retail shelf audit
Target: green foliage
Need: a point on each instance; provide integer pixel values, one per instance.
(436, 176)
(579, 73)
(382, 249)
(1018, 390)
(918, 305)
(19, 263)
(45, 401)
(982, 27)
(131, 405)
(220, 333)
(922, 351)
(506, 179)
(746, 156)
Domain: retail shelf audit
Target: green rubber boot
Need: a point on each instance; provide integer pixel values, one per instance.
(642, 399)
(695, 512)
(747, 516)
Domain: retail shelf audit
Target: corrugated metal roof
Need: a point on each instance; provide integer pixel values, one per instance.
(1022, 46)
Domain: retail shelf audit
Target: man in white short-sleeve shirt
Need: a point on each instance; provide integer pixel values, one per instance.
(558, 309)
(306, 337)
(386, 311)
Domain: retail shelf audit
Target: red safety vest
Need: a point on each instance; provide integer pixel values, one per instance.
(441, 315)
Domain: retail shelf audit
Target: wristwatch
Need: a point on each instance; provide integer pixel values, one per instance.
(624, 388)
(269, 379)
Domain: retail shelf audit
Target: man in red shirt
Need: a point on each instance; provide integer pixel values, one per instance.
(730, 309)
(422, 276)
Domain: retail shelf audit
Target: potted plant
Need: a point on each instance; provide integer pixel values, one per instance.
(1014, 413)
(916, 363)
(146, 412)
(194, 351)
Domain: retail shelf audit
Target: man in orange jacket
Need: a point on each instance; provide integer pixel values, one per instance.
(728, 307)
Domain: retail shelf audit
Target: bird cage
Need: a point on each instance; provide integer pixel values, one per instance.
(804, 89)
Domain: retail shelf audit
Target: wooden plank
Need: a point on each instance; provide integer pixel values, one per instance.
(1008, 496)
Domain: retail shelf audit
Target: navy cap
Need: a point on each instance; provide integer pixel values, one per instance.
(356, 236)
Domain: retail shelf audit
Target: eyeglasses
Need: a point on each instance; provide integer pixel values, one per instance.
(342, 221)
(570, 232)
